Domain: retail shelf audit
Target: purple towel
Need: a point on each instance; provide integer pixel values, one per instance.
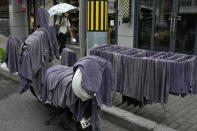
(12, 54)
(97, 77)
(42, 18)
(58, 90)
(35, 59)
(148, 74)
(43, 21)
(69, 57)
(25, 73)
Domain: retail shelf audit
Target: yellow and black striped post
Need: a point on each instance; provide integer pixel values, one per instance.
(97, 15)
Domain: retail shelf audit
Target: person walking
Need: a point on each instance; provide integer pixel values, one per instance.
(64, 27)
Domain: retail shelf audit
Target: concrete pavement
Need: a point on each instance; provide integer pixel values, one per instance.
(181, 112)
(25, 113)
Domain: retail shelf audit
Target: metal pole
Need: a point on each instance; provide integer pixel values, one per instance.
(97, 23)
(195, 46)
(82, 24)
(153, 24)
(136, 23)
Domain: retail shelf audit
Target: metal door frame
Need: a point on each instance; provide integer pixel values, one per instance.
(195, 44)
(136, 23)
(173, 26)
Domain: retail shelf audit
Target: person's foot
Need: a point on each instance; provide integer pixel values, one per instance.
(57, 57)
(3, 65)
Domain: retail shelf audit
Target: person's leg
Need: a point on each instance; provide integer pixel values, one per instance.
(62, 42)
(66, 37)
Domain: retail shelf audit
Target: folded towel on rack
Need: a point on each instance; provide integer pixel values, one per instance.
(69, 57)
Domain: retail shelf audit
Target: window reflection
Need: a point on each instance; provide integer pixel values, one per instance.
(186, 26)
(145, 26)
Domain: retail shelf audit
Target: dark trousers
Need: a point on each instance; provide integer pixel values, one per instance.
(62, 40)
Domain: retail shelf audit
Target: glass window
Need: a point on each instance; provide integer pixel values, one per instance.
(186, 30)
(4, 18)
(145, 23)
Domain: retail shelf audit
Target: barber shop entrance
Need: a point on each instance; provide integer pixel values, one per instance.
(167, 25)
(32, 6)
(74, 19)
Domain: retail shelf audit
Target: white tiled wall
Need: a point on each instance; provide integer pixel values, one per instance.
(18, 21)
(48, 5)
(125, 30)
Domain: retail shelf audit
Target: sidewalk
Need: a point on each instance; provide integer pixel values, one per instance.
(25, 113)
(181, 113)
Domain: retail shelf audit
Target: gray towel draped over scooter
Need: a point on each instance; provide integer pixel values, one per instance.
(97, 78)
(69, 57)
(54, 85)
(36, 58)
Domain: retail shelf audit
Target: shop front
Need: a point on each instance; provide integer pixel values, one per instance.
(166, 25)
(112, 21)
(32, 6)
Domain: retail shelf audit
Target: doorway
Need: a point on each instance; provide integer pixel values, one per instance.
(32, 6)
(186, 27)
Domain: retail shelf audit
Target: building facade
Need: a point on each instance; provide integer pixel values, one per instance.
(166, 25)
(4, 18)
(160, 25)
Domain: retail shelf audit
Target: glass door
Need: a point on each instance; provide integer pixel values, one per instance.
(163, 25)
(31, 11)
(157, 24)
(186, 27)
(145, 23)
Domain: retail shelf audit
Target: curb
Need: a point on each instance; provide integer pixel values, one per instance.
(5, 72)
(114, 114)
(131, 121)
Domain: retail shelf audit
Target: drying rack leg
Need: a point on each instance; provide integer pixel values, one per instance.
(164, 108)
(114, 95)
(145, 110)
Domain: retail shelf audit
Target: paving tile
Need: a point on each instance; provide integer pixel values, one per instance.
(179, 111)
(181, 120)
(194, 126)
(186, 125)
(180, 129)
(175, 125)
(191, 129)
